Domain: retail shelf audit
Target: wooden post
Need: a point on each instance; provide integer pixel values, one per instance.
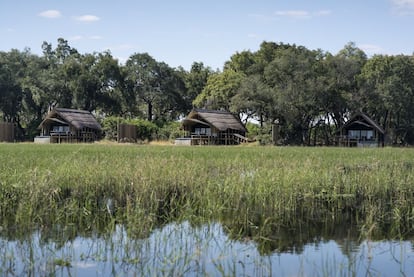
(275, 133)
(117, 131)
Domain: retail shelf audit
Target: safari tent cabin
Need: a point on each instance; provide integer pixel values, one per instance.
(361, 131)
(69, 125)
(213, 127)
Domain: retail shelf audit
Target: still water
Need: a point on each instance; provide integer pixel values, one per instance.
(180, 249)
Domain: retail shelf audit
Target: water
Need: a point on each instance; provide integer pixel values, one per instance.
(180, 249)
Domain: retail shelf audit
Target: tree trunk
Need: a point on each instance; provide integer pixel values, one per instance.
(261, 120)
(149, 111)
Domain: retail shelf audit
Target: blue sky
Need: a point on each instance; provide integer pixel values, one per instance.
(180, 32)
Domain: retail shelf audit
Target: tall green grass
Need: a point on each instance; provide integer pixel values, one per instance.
(254, 191)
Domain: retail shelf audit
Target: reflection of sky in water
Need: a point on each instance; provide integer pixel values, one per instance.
(181, 250)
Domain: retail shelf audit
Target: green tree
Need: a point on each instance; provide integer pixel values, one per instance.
(155, 85)
(11, 94)
(56, 81)
(254, 100)
(94, 82)
(387, 94)
(242, 62)
(109, 84)
(142, 79)
(195, 81)
(293, 78)
(220, 88)
(338, 87)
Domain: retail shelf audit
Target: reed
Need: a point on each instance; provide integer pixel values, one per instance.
(274, 188)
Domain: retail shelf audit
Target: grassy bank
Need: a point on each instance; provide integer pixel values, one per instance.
(254, 191)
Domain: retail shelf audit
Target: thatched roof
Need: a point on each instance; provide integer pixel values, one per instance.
(363, 119)
(77, 118)
(221, 120)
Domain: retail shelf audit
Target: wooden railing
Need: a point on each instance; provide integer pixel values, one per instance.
(240, 139)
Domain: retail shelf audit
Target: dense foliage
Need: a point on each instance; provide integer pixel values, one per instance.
(307, 94)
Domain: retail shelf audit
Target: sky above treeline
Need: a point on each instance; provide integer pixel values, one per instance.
(181, 32)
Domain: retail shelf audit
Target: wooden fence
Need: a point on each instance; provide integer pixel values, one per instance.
(127, 133)
(7, 132)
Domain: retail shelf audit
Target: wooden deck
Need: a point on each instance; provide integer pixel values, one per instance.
(68, 137)
(349, 142)
(223, 139)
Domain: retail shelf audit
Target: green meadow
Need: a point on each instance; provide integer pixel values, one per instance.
(255, 192)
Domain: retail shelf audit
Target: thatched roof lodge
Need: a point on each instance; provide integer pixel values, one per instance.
(69, 125)
(212, 127)
(361, 131)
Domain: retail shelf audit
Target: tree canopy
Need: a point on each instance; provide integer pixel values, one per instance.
(294, 88)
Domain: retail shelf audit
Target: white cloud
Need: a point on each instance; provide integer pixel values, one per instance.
(293, 13)
(302, 14)
(79, 37)
(261, 17)
(403, 7)
(322, 13)
(371, 49)
(50, 14)
(404, 3)
(87, 18)
(75, 38)
(95, 37)
(125, 46)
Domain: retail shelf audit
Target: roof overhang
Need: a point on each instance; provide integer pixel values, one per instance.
(361, 123)
(58, 120)
(192, 121)
(368, 123)
(53, 119)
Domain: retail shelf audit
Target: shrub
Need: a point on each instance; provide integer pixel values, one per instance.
(146, 130)
(109, 126)
(169, 131)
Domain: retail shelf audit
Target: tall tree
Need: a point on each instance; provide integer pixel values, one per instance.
(154, 84)
(110, 84)
(59, 73)
(387, 93)
(12, 70)
(195, 81)
(293, 77)
(242, 62)
(220, 88)
(254, 100)
(143, 79)
(338, 79)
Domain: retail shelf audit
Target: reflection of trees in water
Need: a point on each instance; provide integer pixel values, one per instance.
(273, 234)
(273, 237)
(311, 219)
(270, 234)
(148, 240)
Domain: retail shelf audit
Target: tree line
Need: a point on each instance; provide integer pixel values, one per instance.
(307, 94)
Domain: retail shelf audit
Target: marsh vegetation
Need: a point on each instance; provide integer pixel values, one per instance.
(279, 198)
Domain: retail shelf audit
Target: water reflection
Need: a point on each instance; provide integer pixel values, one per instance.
(185, 249)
